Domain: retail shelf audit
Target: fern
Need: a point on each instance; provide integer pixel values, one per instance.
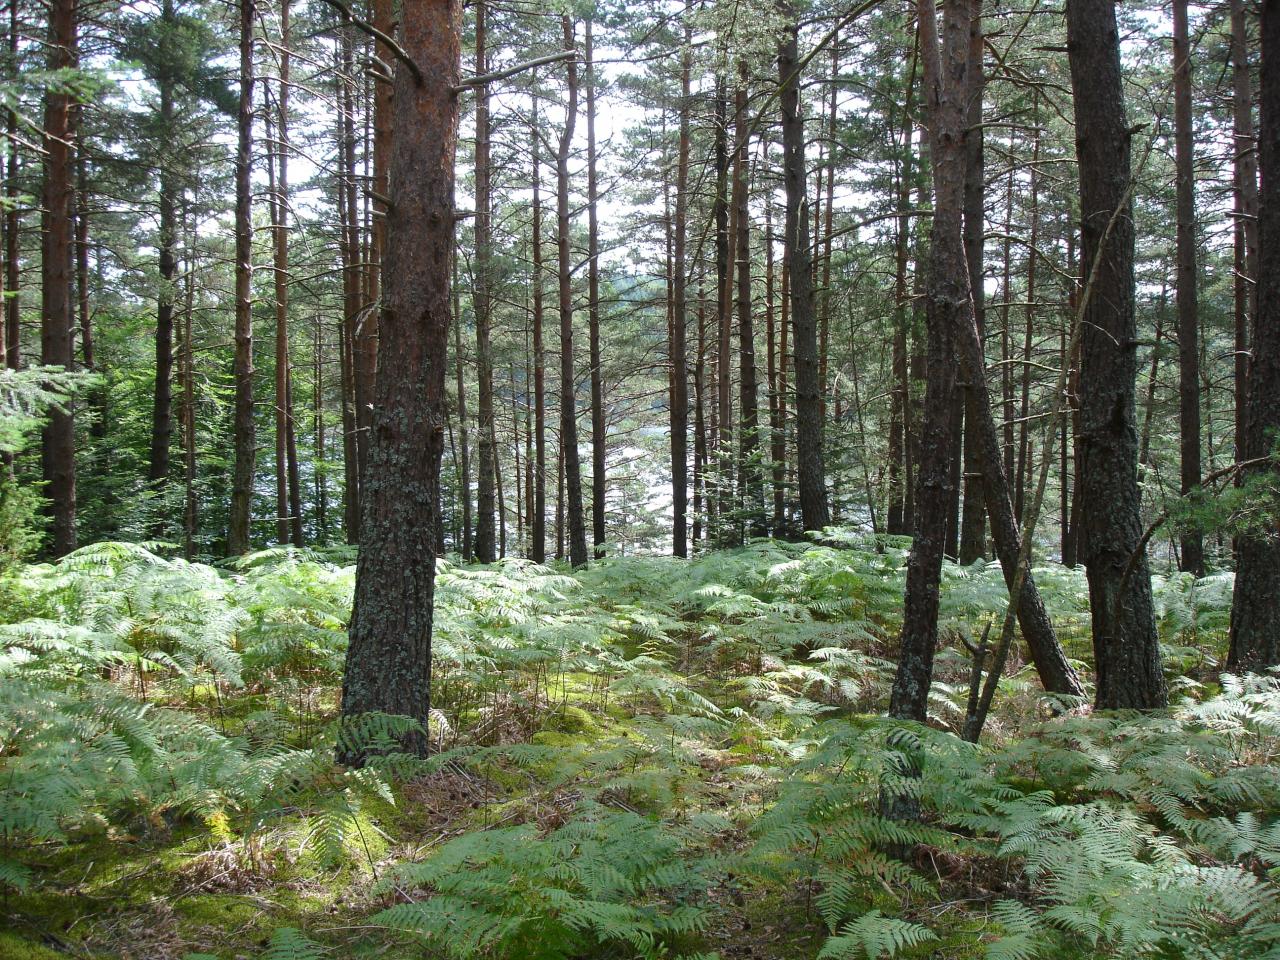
(603, 879)
(874, 935)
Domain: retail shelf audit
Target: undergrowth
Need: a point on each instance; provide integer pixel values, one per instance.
(654, 758)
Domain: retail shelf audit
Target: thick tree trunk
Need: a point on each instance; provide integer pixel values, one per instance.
(1126, 651)
(809, 453)
(243, 439)
(1188, 306)
(1255, 611)
(593, 311)
(568, 392)
(58, 452)
(679, 314)
(389, 660)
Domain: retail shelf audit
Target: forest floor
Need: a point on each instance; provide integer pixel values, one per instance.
(651, 758)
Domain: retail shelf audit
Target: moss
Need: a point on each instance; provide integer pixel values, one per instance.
(554, 738)
(220, 910)
(570, 720)
(13, 947)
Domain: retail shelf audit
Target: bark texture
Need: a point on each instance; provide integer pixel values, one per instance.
(1192, 552)
(58, 451)
(1126, 652)
(389, 659)
(244, 441)
(798, 265)
(1255, 612)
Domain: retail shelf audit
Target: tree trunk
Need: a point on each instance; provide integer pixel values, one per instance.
(238, 534)
(1149, 409)
(568, 400)
(162, 406)
(777, 451)
(388, 667)
(828, 218)
(464, 437)
(1028, 332)
(501, 503)
(559, 499)
(1126, 652)
(1245, 176)
(593, 312)
(751, 490)
(288, 496)
(81, 245)
(1006, 335)
(1071, 417)
(350, 292)
(12, 220)
(1188, 307)
(58, 452)
(679, 314)
(538, 550)
(724, 533)
(973, 507)
(809, 455)
(948, 304)
(1255, 612)
(485, 539)
(364, 335)
(700, 426)
(190, 514)
(900, 391)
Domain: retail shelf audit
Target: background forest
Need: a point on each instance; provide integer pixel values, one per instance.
(707, 478)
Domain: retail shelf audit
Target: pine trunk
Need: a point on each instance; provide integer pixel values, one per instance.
(1255, 612)
(1188, 307)
(538, 547)
(388, 667)
(58, 453)
(751, 490)
(598, 435)
(577, 532)
(809, 453)
(1126, 651)
(486, 539)
(679, 314)
(973, 507)
(244, 441)
(1245, 179)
